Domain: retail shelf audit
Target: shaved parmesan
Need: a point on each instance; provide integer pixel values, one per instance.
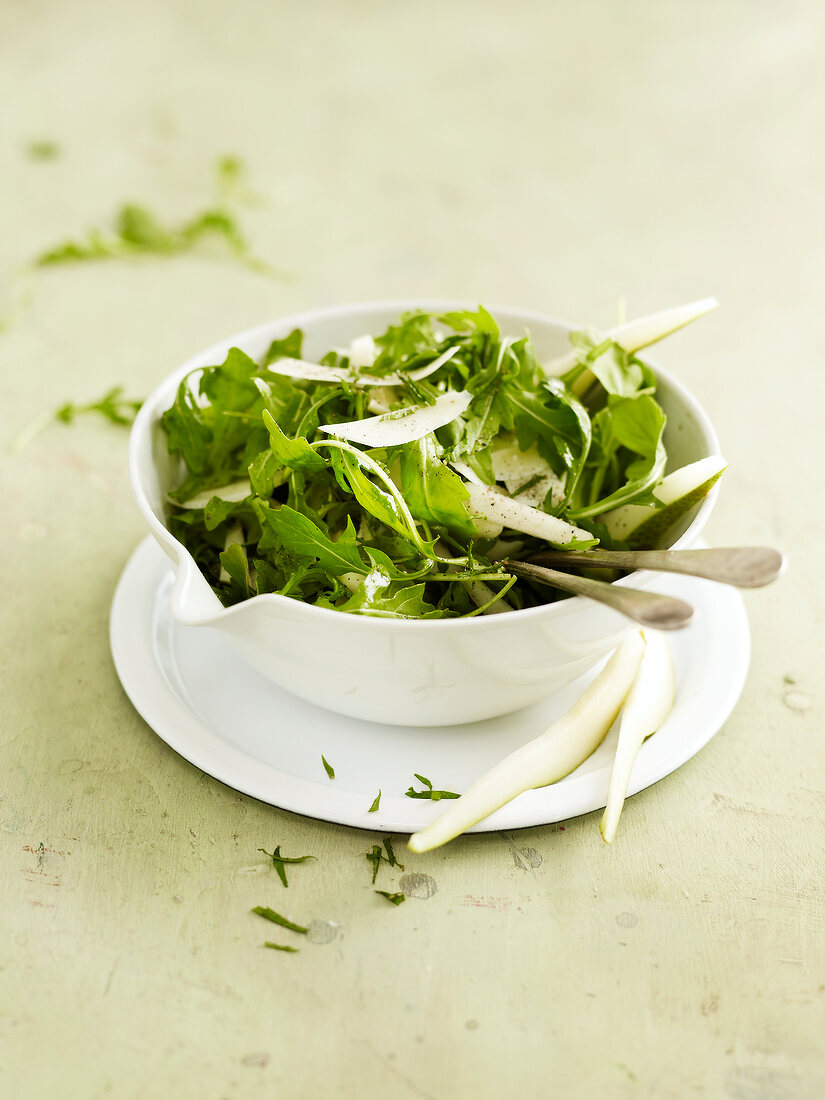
(318, 372)
(405, 425)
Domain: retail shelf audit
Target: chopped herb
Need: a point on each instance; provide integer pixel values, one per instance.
(374, 857)
(138, 231)
(279, 861)
(113, 406)
(43, 150)
(534, 480)
(436, 796)
(276, 918)
(393, 862)
(328, 768)
(280, 946)
(375, 803)
(396, 899)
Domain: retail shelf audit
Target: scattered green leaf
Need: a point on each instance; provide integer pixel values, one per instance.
(396, 899)
(278, 861)
(43, 150)
(328, 768)
(428, 791)
(376, 802)
(276, 918)
(280, 946)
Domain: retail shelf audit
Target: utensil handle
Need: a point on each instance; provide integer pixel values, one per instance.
(742, 566)
(647, 608)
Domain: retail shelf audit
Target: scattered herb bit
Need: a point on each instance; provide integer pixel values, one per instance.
(279, 861)
(789, 679)
(113, 406)
(276, 918)
(43, 150)
(138, 231)
(396, 899)
(374, 857)
(436, 796)
(280, 946)
(376, 802)
(328, 768)
(393, 862)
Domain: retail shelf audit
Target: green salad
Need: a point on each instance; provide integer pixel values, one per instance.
(394, 476)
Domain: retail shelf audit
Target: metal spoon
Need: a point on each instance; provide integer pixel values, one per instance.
(648, 608)
(743, 566)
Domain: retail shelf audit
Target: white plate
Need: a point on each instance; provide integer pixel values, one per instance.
(234, 724)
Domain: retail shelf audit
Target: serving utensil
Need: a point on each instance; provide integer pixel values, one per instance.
(646, 608)
(742, 566)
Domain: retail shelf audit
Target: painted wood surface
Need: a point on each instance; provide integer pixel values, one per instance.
(550, 156)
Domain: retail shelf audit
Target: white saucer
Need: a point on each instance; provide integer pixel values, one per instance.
(231, 722)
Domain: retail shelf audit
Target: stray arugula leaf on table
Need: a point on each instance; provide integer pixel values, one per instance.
(276, 918)
(280, 946)
(43, 149)
(428, 791)
(396, 898)
(376, 857)
(112, 406)
(278, 861)
(393, 862)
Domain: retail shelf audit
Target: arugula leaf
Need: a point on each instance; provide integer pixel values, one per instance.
(351, 468)
(235, 562)
(276, 918)
(188, 433)
(288, 348)
(112, 406)
(294, 453)
(138, 231)
(396, 899)
(431, 489)
(278, 861)
(378, 595)
(280, 946)
(299, 534)
(626, 426)
(428, 792)
(328, 768)
(376, 802)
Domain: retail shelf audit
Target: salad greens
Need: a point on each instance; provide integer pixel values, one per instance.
(392, 477)
(328, 768)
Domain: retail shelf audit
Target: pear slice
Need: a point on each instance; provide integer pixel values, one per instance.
(645, 526)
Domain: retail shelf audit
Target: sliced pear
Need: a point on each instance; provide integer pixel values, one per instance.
(548, 758)
(642, 332)
(647, 706)
(646, 525)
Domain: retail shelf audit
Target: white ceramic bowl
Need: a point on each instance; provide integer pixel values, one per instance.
(402, 672)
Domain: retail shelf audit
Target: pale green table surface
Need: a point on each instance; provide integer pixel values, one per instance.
(551, 156)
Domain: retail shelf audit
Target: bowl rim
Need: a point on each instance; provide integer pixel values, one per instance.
(147, 415)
